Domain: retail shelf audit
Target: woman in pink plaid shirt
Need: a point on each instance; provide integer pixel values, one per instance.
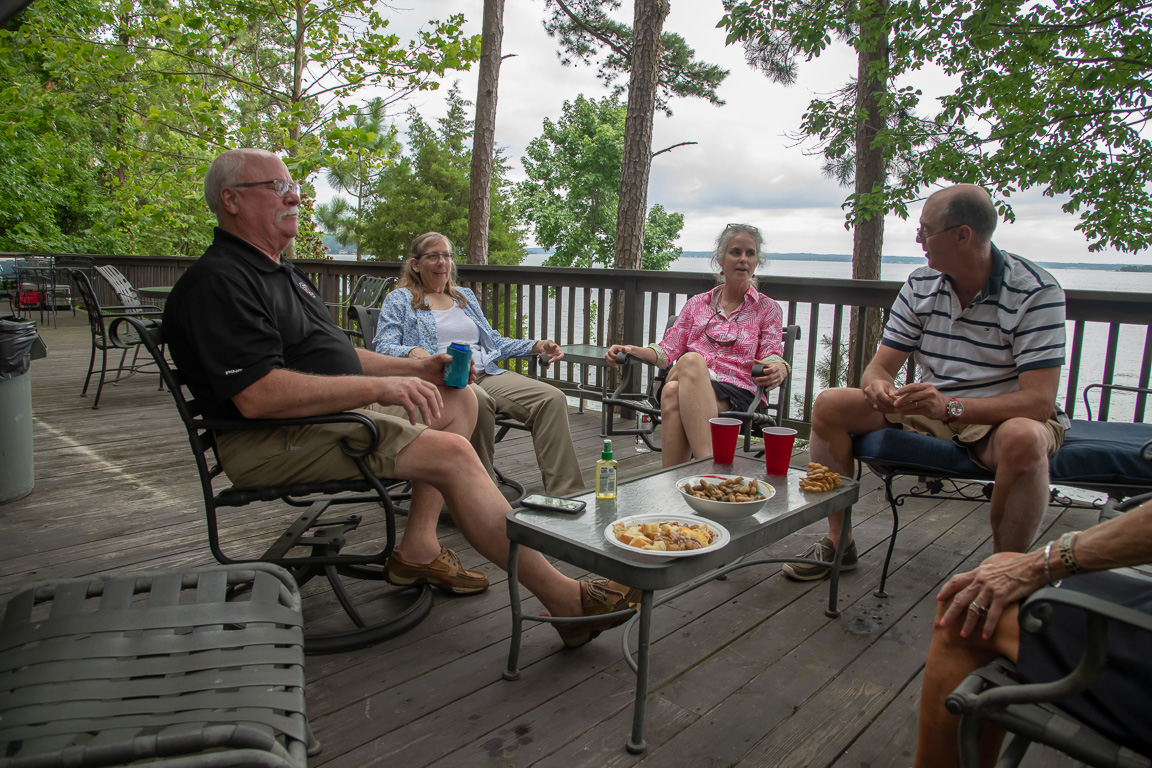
(716, 339)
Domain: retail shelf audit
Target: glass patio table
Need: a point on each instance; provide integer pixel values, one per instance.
(580, 541)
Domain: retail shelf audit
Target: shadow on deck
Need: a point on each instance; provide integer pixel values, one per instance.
(745, 671)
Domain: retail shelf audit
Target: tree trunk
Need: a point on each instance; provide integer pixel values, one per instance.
(484, 133)
(648, 24)
(868, 235)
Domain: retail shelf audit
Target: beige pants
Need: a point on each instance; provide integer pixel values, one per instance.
(544, 410)
(312, 454)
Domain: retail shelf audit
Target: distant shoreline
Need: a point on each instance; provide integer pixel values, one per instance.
(847, 259)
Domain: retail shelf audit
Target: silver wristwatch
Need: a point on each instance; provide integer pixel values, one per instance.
(954, 409)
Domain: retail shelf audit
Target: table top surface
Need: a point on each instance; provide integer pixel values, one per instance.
(155, 290)
(579, 539)
(585, 354)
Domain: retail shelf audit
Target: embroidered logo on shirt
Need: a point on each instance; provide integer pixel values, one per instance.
(304, 287)
(233, 371)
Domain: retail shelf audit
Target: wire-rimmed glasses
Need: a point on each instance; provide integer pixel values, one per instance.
(279, 186)
(921, 237)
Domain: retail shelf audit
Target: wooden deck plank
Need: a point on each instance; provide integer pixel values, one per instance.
(746, 670)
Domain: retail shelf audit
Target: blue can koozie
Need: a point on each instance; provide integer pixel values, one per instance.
(459, 368)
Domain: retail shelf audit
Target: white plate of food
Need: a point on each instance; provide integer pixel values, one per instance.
(643, 534)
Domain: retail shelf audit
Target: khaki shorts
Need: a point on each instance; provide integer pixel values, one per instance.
(312, 454)
(969, 436)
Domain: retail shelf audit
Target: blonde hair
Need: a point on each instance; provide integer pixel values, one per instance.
(410, 278)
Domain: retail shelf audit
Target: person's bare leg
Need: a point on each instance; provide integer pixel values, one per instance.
(420, 544)
(686, 404)
(447, 462)
(837, 415)
(674, 448)
(951, 658)
(1018, 453)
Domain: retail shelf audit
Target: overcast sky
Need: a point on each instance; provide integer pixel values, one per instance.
(744, 167)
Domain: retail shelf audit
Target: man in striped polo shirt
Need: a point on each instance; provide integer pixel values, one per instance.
(986, 331)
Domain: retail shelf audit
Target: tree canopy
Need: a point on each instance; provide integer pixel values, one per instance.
(572, 192)
(1053, 96)
(116, 108)
(427, 190)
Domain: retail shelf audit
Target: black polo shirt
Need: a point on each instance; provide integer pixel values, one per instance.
(236, 315)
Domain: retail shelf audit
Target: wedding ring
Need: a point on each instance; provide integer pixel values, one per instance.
(916, 404)
(875, 407)
(980, 609)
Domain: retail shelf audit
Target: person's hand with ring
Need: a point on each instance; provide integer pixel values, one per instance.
(982, 594)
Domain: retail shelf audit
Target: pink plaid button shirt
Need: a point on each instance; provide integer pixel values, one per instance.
(756, 325)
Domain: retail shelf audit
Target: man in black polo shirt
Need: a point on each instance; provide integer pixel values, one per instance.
(255, 341)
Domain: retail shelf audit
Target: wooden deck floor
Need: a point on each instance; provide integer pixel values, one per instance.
(745, 671)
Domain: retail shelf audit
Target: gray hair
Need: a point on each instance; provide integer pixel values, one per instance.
(730, 232)
(225, 171)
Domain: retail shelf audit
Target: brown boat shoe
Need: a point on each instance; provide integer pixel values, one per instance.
(598, 596)
(445, 572)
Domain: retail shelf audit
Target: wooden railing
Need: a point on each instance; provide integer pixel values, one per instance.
(572, 307)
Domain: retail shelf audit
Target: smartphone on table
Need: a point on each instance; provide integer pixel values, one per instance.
(545, 503)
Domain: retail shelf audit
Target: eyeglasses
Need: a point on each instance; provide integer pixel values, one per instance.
(921, 237)
(433, 256)
(713, 339)
(279, 186)
(751, 229)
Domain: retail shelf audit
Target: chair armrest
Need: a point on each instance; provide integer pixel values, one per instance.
(345, 417)
(1109, 388)
(1034, 613)
(121, 311)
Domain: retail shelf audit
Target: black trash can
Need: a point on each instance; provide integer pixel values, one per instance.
(19, 343)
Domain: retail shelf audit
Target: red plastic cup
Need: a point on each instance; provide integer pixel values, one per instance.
(725, 433)
(778, 449)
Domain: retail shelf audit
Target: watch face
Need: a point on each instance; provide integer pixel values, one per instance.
(955, 409)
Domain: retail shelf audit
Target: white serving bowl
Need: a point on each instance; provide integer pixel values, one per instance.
(722, 510)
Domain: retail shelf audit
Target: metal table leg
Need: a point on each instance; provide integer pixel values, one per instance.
(833, 609)
(636, 744)
(512, 672)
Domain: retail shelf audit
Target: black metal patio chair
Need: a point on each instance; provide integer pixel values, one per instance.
(1099, 456)
(368, 293)
(629, 396)
(312, 544)
(99, 319)
(1034, 712)
(201, 668)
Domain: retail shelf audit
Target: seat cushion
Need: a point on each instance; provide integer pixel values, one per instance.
(1094, 452)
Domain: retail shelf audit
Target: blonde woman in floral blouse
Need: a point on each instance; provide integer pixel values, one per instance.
(717, 338)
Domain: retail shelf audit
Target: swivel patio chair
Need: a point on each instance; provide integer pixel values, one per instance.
(99, 319)
(183, 669)
(1035, 712)
(320, 539)
(628, 395)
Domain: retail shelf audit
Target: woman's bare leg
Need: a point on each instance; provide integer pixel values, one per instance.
(687, 402)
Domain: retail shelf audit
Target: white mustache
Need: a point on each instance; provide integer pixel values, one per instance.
(293, 211)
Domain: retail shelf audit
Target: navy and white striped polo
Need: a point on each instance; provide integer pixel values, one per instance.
(1016, 323)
